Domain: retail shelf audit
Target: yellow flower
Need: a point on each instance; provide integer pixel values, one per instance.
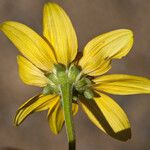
(52, 62)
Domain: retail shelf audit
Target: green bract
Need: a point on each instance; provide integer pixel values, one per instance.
(80, 83)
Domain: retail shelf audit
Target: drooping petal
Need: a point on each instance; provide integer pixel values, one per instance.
(56, 117)
(60, 33)
(30, 74)
(107, 115)
(101, 50)
(122, 84)
(34, 104)
(30, 44)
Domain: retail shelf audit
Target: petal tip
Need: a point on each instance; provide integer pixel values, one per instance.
(130, 32)
(8, 22)
(50, 4)
(16, 122)
(2, 25)
(123, 135)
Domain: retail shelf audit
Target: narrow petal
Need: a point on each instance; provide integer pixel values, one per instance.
(74, 108)
(122, 84)
(108, 116)
(30, 44)
(30, 74)
(56, 116)
(60, 33)
(34, 104)
(99, 52)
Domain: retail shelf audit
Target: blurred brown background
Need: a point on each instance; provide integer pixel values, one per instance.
(90, 18)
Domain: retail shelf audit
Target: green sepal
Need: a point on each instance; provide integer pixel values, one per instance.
(53, 78)
(60, 72)
(73, 73)
(88, 93)
(48, 90)
(59, 68)
(75, 98)
(82, 84)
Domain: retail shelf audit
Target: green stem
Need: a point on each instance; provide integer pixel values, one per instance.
(66, 93)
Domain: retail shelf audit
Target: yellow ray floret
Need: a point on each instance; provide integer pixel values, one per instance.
(30, 74)
(107, 115)
(58, 30)
(122, 84)
(30, 44)
(56, 116)
(102, 49)
(34, 104)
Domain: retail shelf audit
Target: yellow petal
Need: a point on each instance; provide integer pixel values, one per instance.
(101, 50)
(74, 108)
(107, 115)
(48, 104)
(34, 104)
(30, 74)
(122, 84)
(30, 44)
(60, 33)
(56, 116)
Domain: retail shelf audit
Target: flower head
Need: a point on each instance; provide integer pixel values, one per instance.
(52, 63)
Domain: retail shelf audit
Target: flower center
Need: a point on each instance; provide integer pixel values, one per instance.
(81, 84)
